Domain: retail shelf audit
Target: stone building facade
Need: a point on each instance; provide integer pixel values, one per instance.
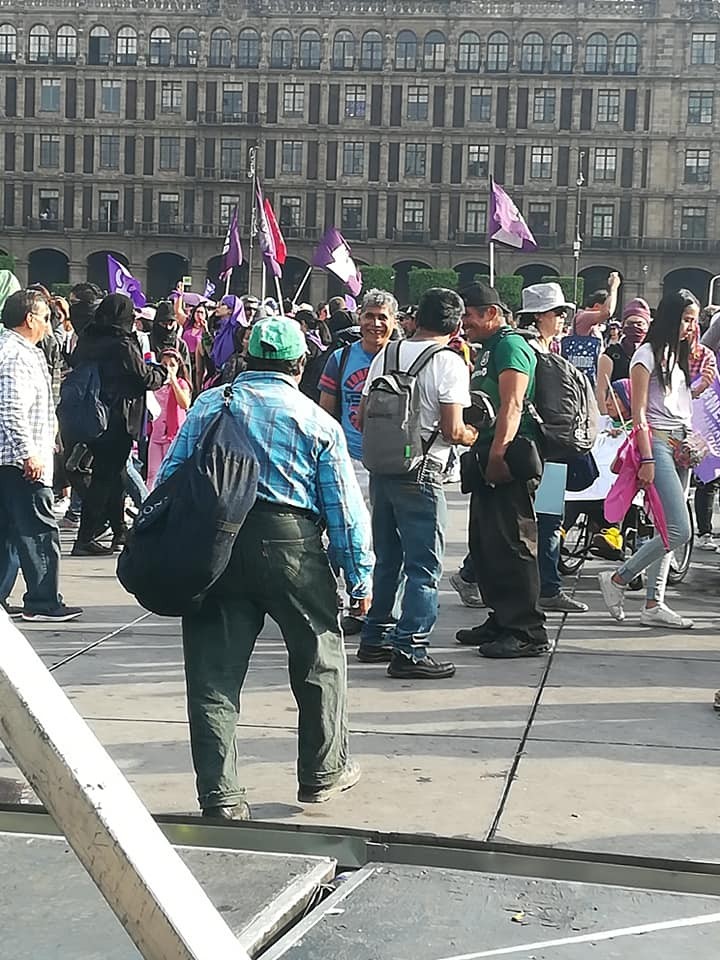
(126, 127)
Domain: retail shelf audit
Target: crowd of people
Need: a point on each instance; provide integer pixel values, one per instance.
(358, 418)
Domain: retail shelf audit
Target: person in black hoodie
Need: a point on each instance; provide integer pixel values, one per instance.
(110, 343)
(166, 333)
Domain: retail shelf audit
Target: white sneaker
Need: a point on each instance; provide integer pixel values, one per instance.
(663, 616)
(613, 595)
(60, 507)
(706, 542)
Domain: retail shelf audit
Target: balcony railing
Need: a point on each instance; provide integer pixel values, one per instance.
(299, 233)
(654, 244)
(355, 233)
(408, 235)
(218, 173)
(51, 224)
(216, 118)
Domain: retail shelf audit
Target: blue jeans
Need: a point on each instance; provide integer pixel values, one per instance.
(672, 484)
(28, 524)
(135, 485)
(408, 524)
(549, 554)
(75, 508)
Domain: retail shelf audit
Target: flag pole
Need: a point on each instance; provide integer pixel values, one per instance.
(228, 278)
(263, 275)
(302, 286)
(492, 264)
(279, 293)
(252, 173)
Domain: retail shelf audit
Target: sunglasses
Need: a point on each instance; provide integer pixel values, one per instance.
(560, 311)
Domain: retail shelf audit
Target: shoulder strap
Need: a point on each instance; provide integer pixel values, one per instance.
(391, 362)
(344, 357)
(425, 358)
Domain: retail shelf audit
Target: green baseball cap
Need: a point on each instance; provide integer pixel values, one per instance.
(277, 338)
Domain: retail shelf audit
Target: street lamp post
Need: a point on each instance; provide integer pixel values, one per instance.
(578, 242)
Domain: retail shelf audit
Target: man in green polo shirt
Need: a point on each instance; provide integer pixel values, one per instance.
(503, 528)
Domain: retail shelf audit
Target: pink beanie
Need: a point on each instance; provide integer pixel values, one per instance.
(637, 308)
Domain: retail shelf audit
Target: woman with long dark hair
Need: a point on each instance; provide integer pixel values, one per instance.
(110, 343)
(662, 419)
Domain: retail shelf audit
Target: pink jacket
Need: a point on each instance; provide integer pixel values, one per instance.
(626, 488)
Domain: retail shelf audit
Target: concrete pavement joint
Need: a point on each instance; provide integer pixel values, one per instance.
(510, 779)
(96, 643)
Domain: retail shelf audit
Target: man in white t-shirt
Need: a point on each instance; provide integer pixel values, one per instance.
(409, 510)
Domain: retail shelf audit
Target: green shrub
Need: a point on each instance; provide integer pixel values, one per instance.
(376, 277)
(62, 289)
(7, 262)
(568, 287)
(421, 279)
(509, 288)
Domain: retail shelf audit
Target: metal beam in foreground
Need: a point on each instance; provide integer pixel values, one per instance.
(156, 898)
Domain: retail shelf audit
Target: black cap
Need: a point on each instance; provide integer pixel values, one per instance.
(481, 295)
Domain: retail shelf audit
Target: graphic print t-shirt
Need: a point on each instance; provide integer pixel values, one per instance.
(349, 391)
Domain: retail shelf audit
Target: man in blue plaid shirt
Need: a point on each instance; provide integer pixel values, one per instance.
(279, 568)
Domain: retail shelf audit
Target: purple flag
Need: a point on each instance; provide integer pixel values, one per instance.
(350, 302)
(506, 224)
(209, 290)
(706, 421)
(266, 240)
(232, 255)
(334, 254)
(225, 344)
(120, 280)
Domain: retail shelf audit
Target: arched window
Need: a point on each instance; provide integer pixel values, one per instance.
(220, 48)
(249, 48)
(8, 43)
(343, 57)
(160, 47)
(626, 54)
(532, 53)
(309, 50)
(469, 52)
(126, 47)
(406, 50)
(498, 58)
(596, 54)
(99, 47)
(66, 45)
(188, 46)
(371, 51)
(561, 53)
(39, 45)
(434, 51)
(281, 49)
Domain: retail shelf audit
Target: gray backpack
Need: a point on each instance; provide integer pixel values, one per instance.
(392, 443)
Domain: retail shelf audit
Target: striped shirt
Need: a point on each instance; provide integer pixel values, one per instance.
(27, 412)
(303, 460)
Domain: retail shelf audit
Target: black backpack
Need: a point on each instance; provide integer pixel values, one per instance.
(565, 408)
(82, 413)
(182, 540)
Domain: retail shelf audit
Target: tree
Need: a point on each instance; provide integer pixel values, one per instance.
(509, 288)
(376, 277)
(567, 285)
(62, 289)
(7, 262)
(421, 279)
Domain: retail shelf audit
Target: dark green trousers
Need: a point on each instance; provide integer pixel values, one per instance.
(278, 569)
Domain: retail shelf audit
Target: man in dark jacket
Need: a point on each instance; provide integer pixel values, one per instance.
(109, 343)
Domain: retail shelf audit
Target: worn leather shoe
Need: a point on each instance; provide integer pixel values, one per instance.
(238, 811)
(368, 654)
(90, 549)
(405, 668)
(475, 636)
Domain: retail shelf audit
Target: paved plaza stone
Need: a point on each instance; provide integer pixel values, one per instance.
(614, 748)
